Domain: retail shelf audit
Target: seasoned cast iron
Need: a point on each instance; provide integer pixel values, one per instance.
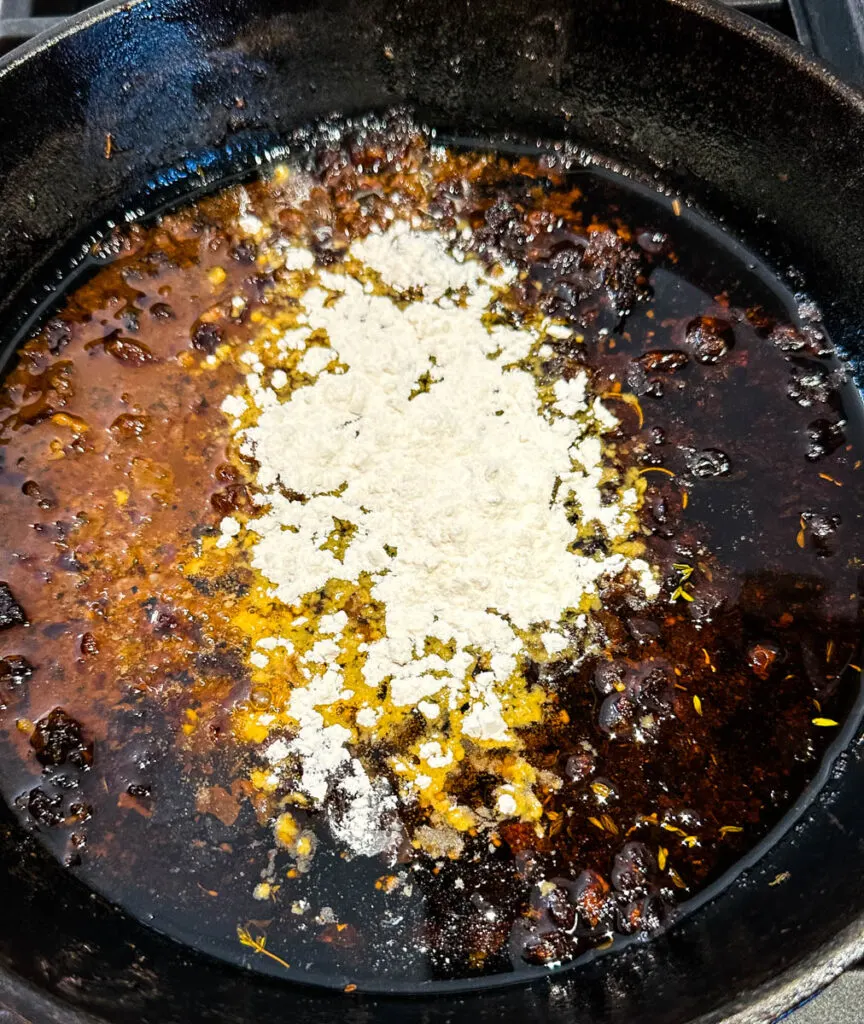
(707, 101)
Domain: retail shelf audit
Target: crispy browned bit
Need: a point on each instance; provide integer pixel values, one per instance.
(762, 657)
(710, 338)
(129, 351)
(15, 670)
(663, 361)
(45, 809)
(707, 463)
(822, 524)
(58, 738)
(89, 645)
(544, 950)
(11, 613)
(162, 311)
(206, 337)
(130, 426)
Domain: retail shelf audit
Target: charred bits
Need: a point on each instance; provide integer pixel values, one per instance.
(662, 361)
(15, 670)
(762, 658)
(11, 612)
(710, 339)
(206, 337)
(708, 463)
(58, 738)
(823, 438)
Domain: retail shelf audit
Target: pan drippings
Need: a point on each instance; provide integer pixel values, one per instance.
(422, 565)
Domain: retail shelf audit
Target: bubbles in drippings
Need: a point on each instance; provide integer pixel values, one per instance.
(710, 338)
(707, 463)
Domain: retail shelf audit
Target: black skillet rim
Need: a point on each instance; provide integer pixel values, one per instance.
(795, 985)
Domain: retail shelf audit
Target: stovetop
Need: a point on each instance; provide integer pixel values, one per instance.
(833, 29)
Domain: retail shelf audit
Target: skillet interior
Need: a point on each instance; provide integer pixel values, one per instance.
(717, 108)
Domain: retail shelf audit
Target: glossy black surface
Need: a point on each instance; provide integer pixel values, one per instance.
(678, 89)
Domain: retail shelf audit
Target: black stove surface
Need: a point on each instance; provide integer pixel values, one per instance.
(833, 29)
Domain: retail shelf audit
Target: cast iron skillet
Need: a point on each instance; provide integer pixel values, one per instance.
(705, 100)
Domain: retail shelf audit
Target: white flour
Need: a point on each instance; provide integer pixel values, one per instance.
(460, 486)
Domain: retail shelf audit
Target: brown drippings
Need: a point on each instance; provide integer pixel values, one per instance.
(661, 761)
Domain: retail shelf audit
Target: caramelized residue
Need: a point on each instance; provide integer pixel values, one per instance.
(129, 712)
